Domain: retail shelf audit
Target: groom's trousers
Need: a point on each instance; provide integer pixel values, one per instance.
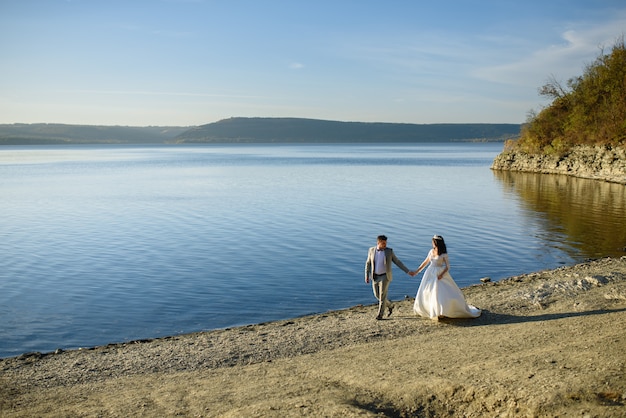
(380, 285)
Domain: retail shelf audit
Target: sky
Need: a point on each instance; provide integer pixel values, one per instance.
(193, 62)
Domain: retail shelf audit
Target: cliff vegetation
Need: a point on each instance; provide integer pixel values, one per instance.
(589, 110)
(582, 133)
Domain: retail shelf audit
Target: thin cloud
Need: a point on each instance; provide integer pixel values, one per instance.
(579, 46)
(163, 93)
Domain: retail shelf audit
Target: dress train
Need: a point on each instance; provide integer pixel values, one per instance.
(441, 298)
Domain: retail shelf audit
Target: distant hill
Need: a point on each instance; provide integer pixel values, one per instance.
(296, 130)
(255, 130)
(51, 133)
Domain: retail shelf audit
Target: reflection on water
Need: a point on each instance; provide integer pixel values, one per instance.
(589, 215)
(116, 243)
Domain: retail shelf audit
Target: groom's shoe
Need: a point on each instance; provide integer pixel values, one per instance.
(390, 311)
(379, 317)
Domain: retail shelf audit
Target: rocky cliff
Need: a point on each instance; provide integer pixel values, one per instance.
(592, 162)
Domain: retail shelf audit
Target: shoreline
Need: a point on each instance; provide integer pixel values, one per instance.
(583, 161)
(534, 351)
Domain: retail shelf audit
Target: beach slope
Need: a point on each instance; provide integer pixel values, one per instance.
(550, 343)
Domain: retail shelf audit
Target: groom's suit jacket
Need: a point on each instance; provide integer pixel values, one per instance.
(390, 257)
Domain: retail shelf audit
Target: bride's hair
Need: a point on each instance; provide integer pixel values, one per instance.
(440, 245)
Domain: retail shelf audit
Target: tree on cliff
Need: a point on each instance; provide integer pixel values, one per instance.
(589, 110)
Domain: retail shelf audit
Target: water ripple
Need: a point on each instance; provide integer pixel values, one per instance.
(104, 245)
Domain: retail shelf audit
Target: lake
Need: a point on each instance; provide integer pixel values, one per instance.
(104, 244)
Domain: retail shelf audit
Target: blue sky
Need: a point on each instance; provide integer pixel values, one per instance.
(192, 62)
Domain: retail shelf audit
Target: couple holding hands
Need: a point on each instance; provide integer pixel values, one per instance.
(438, 295)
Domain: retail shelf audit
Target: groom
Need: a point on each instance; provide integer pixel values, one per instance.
(378, 270)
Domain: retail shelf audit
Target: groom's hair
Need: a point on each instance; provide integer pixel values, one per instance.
(381, 238)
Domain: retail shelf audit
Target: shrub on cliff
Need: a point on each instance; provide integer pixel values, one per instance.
(590, 110)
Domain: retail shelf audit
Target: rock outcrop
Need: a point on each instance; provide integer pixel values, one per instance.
(592, 162)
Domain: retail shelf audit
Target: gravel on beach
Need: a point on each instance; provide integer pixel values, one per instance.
(549, 343)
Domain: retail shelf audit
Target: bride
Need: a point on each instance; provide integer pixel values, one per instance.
(438, 295)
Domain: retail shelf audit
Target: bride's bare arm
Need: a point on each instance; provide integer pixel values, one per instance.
(426, 261)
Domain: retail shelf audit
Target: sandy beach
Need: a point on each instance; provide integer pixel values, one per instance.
(549, 343)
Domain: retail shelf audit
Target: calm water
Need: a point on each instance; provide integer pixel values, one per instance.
(110, 244)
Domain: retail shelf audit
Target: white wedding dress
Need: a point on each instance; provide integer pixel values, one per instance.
(441, 298)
